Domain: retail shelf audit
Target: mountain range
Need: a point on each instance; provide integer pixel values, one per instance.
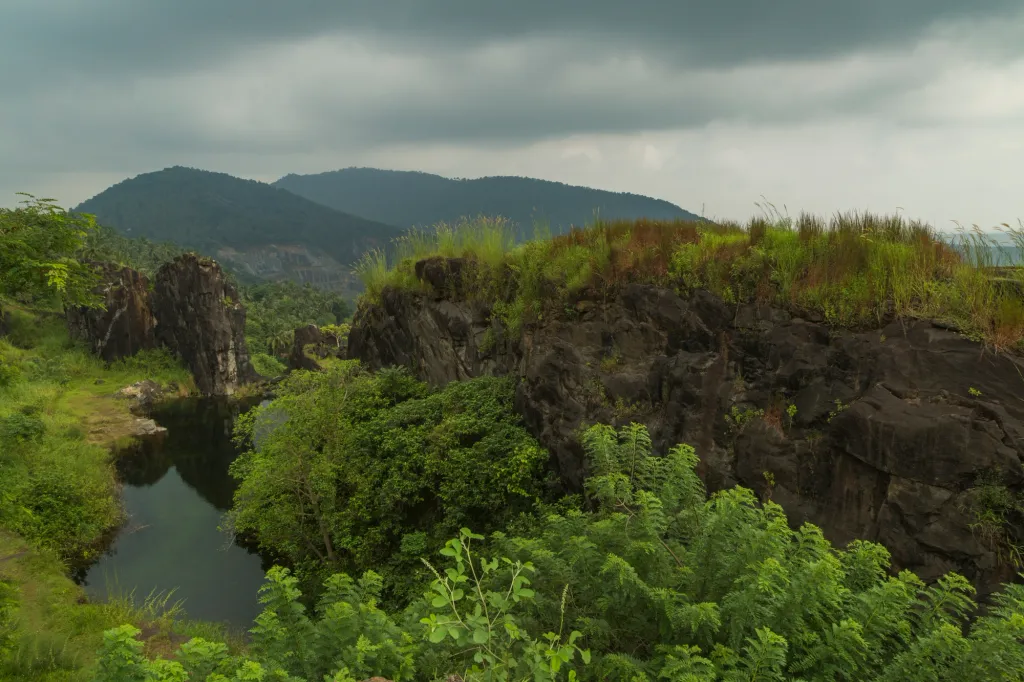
(313, 228)
(411, 198)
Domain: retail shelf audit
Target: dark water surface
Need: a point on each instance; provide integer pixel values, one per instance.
(175, 493)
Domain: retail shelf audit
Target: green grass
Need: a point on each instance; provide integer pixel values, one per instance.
(59, 417)
(856, 270)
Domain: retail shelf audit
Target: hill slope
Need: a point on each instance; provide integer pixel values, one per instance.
(255, 228)
(408, 198)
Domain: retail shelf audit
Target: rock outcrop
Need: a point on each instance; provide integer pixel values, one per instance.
(201, 319)
(192, 310)
(310, 343)
(125, 325)
(899, 435)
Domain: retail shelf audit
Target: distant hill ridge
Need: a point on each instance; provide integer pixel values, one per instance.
(409, 198)
(313, 228)
(205, 209)
(259, 231)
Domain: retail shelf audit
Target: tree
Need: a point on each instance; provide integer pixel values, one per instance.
(38, 245)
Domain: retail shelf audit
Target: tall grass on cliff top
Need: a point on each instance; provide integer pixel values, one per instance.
(856, 270)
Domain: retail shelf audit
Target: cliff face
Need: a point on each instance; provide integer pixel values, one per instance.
(192, 310)
(200, 318)
(908, 435)
(126, 325)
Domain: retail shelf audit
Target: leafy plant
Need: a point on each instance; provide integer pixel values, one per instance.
(658, 580)
(38, 243)
(344, 466)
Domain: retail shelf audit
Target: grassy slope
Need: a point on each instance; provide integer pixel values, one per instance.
(59, 493)
(857, 270)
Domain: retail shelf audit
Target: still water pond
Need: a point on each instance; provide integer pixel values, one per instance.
(175, 493)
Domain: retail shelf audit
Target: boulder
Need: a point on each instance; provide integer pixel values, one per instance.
(201, 319)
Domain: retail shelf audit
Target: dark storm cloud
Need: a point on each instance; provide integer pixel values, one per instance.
(44, 40)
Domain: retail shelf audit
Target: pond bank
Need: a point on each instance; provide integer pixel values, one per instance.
(175, 487)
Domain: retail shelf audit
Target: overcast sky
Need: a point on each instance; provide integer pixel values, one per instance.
(821, 105)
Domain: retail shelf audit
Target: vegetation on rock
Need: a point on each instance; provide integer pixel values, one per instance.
(855, 270)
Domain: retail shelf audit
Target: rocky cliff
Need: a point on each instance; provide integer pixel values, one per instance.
(125, 325)
(910, 435)
(200, 317)
(192, 310)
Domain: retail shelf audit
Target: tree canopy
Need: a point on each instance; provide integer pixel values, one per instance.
(38, 244)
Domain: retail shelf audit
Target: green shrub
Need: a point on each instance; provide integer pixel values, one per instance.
(20, 428)
(657, 582)
(267, 365)
(10, 372)
(346, 468)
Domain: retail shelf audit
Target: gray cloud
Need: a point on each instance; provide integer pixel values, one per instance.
(110, 88)
(51, 39)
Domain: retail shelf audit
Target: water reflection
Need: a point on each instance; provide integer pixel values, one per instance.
(175, 492)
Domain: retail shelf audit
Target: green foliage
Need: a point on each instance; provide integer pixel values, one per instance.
(658, 581)
(38, 242)
(349, 637)
(481, 622)
(267, 365)
(107, 245)
(8, 608)
(276, 309)
(664, 583)
(20, 428)
(354, 470)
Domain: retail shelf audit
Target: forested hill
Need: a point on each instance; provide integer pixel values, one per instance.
(211, 211)
(407, 198)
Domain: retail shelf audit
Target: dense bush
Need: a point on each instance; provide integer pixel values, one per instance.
(658, 583)
(351, 470)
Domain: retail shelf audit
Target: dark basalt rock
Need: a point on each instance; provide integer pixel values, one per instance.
(311, 342)
(199, 317)
(125, 325)
(892, 430)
